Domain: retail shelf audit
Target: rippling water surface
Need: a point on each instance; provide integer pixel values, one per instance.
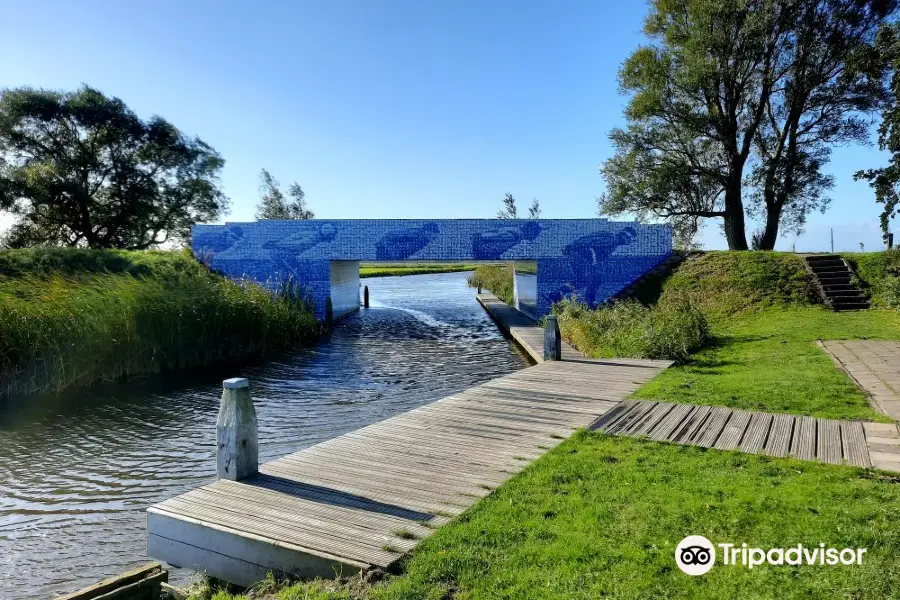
(77, 471)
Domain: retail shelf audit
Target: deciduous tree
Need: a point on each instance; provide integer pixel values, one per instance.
(274, 204)
(735, 94)
(509, 210)
(81, 169)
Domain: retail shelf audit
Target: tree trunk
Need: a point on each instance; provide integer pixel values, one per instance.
(770, 233)
(735, 229)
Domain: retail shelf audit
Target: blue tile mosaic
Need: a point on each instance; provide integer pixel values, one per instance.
(590, 258)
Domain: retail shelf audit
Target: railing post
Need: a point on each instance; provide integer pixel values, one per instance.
(552, 339)
(329, 313)
(237, 452)
(479, 288)
(365, 296)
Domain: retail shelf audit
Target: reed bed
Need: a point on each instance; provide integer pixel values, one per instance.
(63, 326)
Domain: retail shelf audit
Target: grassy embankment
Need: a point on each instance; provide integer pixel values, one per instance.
(400, 269)
(72, 317)
(599, 517)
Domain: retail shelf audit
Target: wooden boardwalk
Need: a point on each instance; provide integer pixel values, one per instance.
(362, 500)
(782, 435)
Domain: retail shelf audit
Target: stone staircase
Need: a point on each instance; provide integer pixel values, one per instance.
(834, 280)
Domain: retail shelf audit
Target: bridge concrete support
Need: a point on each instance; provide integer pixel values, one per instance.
(525, 292)
(344, 287)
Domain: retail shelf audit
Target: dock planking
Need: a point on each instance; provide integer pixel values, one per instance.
(362, 500)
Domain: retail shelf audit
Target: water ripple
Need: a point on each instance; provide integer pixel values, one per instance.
(78, 471)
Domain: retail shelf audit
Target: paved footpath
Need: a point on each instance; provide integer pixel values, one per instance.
(875, 366)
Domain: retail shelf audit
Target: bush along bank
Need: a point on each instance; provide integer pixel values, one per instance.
(70, 318)
(498, 279)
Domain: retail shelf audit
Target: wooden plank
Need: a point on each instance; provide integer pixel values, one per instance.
(111, 584)
(803, 444)
(757, 432)
(733, 431)
(713, 427)
(853, 440)
(633, 416)
(692, 425)
(828, 441)
(610, 416)
(779, 442)
(649, 420)
(672, 421)
(145, 589)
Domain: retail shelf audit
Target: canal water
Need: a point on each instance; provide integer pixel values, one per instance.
(77, 471)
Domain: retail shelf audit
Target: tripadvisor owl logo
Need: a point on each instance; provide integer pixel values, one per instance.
(695, 555)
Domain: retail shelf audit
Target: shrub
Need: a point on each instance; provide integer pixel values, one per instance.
(496, 278)
(672, 329)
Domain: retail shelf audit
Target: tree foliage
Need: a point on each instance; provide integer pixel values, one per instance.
(885, 181)
(749, 93)
(273, 204)
(534, 211)
(509, 210)
(81, 169)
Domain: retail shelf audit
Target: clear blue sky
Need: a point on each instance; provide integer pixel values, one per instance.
(380, 109)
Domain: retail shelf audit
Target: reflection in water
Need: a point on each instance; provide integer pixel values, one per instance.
(78, 471)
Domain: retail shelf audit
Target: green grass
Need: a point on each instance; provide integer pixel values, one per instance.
(878, 275)
(725, 283)
(768, 360)
(399, 269)
(96, 315)
(599, 517)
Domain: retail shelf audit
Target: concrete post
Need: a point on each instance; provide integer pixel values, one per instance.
(329, 313)
(552, 339)
(237, 452)
(366, 296)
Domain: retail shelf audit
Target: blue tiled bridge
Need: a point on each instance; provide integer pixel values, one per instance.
(592, 259)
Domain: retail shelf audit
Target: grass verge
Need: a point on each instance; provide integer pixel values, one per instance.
(768, 360)
(69, 318)
(399, 269)
(599, 517)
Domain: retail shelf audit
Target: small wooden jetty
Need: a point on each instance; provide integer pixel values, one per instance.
(362, 500)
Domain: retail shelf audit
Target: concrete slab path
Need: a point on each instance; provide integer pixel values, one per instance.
(875, 366)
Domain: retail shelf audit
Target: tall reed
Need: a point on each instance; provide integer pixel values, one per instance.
(62, 327)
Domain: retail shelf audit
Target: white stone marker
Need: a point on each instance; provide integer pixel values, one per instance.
(237, 453)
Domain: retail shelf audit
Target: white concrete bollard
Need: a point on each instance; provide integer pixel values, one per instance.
(237, 451)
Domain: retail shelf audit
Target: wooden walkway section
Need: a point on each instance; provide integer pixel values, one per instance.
(525, 331)
(854, 443)
(362, 500)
